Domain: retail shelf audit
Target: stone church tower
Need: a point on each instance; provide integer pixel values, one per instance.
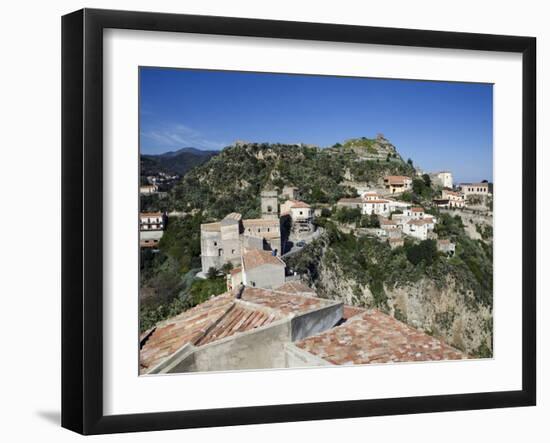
(270, 205)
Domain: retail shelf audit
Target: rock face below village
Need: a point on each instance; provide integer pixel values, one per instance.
(445, 307)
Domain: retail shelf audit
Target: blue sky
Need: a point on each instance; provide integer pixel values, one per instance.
(440, 125)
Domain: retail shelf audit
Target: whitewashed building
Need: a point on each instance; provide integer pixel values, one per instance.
(443, 178)
(151, 221)
(151, 228)
(301, 215)
(417, 228)
(377, 207)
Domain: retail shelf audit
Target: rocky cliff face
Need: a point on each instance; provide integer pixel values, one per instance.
(445, 308)
(371, 149)
(446, 312)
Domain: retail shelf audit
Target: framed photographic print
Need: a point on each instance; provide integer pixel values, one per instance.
(269, 221)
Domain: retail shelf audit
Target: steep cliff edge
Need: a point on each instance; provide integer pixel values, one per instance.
(443, 298)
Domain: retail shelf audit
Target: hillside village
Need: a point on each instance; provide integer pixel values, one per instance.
(282, 265)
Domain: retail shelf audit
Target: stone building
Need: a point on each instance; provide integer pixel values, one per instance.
(223, 241)
(474, 189)
(262, 269)
(270, 205)
(290, 193)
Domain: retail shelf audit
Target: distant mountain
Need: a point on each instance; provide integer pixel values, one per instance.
(189, 150)
(175, 162)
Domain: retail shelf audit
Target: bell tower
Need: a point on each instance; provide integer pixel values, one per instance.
(270, 205)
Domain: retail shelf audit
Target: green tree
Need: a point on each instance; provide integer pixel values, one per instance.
(427, 180)
(212, 273)
(418, 186)
(227, 267)
(425, 251)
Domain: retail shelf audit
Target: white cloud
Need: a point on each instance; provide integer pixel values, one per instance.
(179, 136)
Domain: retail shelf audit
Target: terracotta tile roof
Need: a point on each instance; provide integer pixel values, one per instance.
(456, 194)
(417, 209)
(351, 200)
(153, 243)
(150, 214)
(420, 222)
(374, 337)
(292, 287)
(238, 319)
(352, 311)
(187, 327)
(254, 257)
(474, 184)
(299, 204)
(377, 201)
(222, 316)
(285, 304)
(235, 271)
(444, 241)
(397, 179)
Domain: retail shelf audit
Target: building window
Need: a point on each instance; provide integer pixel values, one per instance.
(215, 243)
(220, 252)
(232, 251)
(269, 209)
(267, 229)
(253, 284)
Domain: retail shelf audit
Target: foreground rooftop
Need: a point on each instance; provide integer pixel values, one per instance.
(321, 331)
(370, 336)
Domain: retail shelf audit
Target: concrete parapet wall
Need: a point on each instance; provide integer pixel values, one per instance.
(298, 358)
(317, 321)
(256, 349)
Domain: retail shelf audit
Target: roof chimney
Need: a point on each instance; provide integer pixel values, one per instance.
(240, 291)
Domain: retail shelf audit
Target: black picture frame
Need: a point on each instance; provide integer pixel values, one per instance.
(82, 215)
